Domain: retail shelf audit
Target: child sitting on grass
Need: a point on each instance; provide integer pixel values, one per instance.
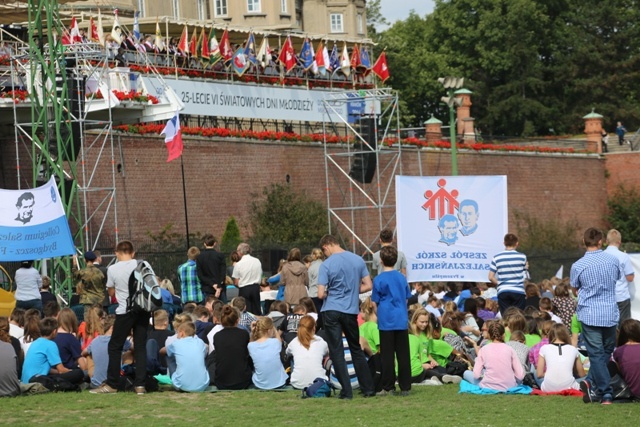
(560, 359)
(44, 357)
(189, 352)
(289, 327)
(546, 306)
(497, 366)
(97, 354)
(233, 368)
(91, 327)
(265, 350)
(68, 344)
(308, 351)
(369, 333)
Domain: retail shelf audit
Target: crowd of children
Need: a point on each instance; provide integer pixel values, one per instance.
(430, 335)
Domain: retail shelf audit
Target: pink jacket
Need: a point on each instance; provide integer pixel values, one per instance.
(499, 367)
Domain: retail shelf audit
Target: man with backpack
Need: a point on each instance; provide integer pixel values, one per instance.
(118, 277)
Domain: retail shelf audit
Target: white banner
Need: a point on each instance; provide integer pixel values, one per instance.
(635, 297)
(33, 224)
(249, 101)
(449, 228)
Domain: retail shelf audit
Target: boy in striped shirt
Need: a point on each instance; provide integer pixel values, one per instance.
(508, 271)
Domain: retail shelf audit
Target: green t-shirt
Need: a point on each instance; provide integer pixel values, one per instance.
(370, 332)
(507, 336)
(415, 354)
(531, 339)
(576, 326)
(439, 350)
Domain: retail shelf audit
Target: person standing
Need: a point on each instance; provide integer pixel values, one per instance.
(89, 282)
(212, 268)
(342, 277)
(594, 278)
(189, 282)
(390, 293)
(508, 271)
(386, 239)
(247, 275)
(118, 276)
(294, 277)
(620, 131)
(623, 297)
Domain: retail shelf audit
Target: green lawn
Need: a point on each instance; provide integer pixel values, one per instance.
(426, 406)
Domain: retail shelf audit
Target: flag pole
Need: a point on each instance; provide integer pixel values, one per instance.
(184, 197)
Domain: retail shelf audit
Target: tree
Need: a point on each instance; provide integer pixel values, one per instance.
(284, 218)
(231, 236)
(375, 18)
(624, 213)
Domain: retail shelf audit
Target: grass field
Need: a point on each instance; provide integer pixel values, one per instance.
(426, 406)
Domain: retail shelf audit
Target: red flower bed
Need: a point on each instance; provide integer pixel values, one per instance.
(153, 128)
(17, 95)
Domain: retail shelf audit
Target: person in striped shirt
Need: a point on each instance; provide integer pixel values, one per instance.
(508, 271)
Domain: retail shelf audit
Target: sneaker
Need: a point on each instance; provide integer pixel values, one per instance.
(436, 379)
(606, 399)
(588, 393)
(385, 393)
(103, 389)
(140, 390)
(451, 379)
(430, 382)
(404, 393)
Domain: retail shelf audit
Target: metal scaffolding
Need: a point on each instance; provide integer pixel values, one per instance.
(60, 139)
(361, 208)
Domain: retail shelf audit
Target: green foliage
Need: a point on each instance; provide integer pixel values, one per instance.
(548, 244)
(166, 250)
(550, 234)
(532, 65)
(231, 237)
(374, 18)
(283, 218)
(624, 213)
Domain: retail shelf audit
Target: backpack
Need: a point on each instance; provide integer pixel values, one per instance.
(55, 383)
(144, 290)
(319, 388)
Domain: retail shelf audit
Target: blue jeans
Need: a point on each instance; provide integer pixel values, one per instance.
(600, 342)
(32, 303)
(335, 324)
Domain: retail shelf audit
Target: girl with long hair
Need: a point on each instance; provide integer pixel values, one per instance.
(497, 366)
(265, 350)
(308, 351)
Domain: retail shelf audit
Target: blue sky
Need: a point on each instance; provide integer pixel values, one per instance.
(395, 10)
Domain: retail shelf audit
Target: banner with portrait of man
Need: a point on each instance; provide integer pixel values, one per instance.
(33, 224)
(449, 228)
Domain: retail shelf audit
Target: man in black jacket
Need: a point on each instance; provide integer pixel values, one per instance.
(212, 269)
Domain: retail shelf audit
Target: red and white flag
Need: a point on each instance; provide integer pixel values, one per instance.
(74, 33)
(173, 138)
(287, 55)
(225, 46)
(380, 67)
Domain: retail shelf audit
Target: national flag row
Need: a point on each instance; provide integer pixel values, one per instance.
(207, 48)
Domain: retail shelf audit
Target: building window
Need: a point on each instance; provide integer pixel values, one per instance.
(141, 8)
(221, 7)
(284, 6)
(336, 23)
(360, 22)
(175, 7)
(202, 10)
(253, 6)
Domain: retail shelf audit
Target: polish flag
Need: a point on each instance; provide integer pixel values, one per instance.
(173, 138)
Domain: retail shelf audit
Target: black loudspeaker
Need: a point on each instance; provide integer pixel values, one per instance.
(76, 89)
(364, 163)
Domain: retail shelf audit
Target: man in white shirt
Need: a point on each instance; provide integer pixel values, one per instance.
(623, 297)
(247, 275)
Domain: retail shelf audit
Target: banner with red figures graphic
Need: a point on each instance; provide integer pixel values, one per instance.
(449, 228)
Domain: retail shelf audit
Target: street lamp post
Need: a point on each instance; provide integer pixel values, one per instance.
(451, 84)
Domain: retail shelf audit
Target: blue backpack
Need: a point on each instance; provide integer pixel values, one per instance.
(319, 388)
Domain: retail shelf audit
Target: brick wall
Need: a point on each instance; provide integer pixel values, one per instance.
(622, 169)
(221, 177)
